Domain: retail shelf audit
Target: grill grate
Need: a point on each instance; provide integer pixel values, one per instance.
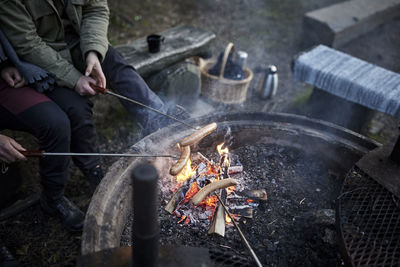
(226, 257)
(369, 221)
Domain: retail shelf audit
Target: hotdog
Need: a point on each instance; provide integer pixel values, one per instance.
(198, 135)
(201, 195)
(181, 163)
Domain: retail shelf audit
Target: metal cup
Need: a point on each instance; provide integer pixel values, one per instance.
(154, 42)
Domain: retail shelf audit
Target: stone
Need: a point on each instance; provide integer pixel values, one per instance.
(337, 24)
(325, 216)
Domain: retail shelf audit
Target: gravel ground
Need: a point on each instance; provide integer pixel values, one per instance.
(270, 31)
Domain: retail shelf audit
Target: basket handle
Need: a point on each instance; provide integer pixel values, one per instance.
(228, 49)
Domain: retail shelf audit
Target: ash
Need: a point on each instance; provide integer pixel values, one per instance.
(295, 226)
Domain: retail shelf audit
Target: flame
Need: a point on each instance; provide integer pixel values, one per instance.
(185, 173)
(227, 219)
(222, 151)
(210, 201)
(249, 200)
(230, 189)
(192, 191)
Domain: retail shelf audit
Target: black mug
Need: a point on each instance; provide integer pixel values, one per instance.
(154, 41)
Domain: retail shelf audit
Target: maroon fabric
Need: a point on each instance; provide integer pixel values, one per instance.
(16, 100)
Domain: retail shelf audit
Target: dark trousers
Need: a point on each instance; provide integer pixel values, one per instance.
(61, 121)
(123, 78)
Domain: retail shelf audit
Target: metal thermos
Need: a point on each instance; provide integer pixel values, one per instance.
(269, 84)
(242, 58)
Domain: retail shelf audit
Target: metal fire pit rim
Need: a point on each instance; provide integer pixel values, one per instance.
(99, 231)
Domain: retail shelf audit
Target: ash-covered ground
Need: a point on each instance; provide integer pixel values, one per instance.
(271, 33)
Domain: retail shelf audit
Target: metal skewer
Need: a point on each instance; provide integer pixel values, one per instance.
(240, 233)
(106, 91)
(30, 153)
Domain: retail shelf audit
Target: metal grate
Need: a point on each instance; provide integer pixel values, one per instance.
(369, 222)
(226, 257)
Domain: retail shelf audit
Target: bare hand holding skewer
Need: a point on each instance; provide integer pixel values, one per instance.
(10, 150)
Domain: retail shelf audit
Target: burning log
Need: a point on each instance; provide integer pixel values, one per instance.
(235, 169)
(218, 223)
(244, 210)
(176, 198)
(255, 194)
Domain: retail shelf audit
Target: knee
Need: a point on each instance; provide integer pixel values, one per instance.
(80, 110)
(55, 128)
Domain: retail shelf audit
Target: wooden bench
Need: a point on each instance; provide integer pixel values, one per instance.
(337, 24)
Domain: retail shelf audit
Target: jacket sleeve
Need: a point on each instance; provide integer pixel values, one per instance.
(18, 25)
(94, 26)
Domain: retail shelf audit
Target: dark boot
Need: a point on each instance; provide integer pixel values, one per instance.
(94, 177)
(7, 259)
(69, 214)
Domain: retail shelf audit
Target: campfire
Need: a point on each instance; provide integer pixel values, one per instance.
(195, 200)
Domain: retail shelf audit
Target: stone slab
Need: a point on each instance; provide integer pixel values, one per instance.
(337, 24)
(350, 78)
(180, 42)
(381, 168)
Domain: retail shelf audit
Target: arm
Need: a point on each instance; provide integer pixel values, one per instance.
(94, 26)
(10, 149)
(94, 43)
(18, 25)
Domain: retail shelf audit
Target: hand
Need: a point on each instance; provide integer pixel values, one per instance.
(83, 87)
(12, 77)
(94, 70)
(10, 149)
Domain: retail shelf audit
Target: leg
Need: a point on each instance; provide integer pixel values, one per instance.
(124, 79)
(26, 110)
(83, 134)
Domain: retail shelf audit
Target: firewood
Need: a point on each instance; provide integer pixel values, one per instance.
(218, 223)
(235, 169)
(171, 206)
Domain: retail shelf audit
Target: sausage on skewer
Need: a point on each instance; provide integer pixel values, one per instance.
(182, 161)
(198, 135)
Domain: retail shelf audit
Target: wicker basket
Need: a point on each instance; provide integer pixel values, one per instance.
(220, 89)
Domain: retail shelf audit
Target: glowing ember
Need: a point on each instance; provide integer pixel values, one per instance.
(186, 172)
(192, 191)
(211, 201)
(230, 189)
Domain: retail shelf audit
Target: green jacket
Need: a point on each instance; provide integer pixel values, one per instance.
(35, 29)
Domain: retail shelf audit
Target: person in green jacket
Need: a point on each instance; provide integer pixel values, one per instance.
(68, 39)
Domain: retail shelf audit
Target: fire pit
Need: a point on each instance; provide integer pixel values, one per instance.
(299, 163)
